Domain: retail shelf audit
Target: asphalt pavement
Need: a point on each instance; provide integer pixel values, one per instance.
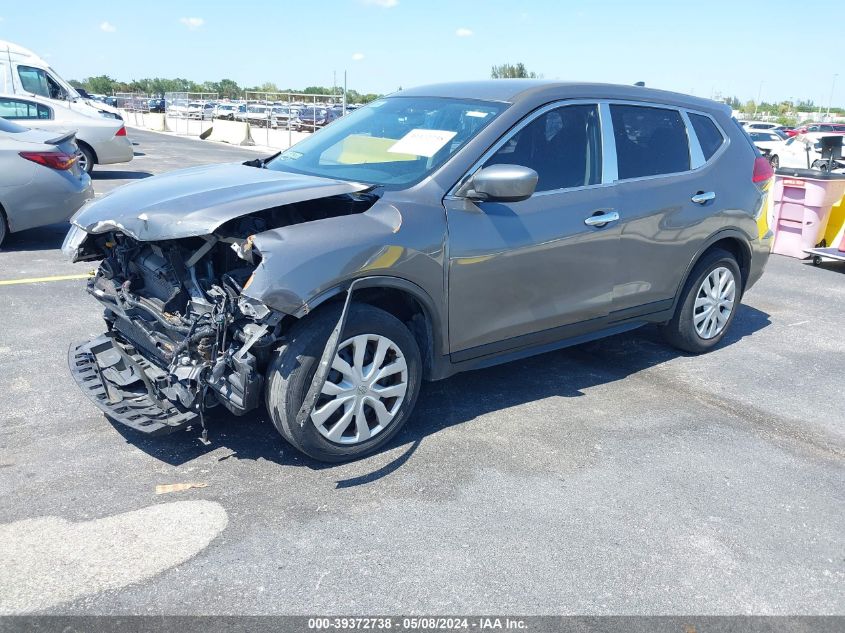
(616, 477)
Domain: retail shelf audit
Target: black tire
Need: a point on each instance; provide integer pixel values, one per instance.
(88, 153)
(775, 162)
(292, 369)
(680, 330)
(4, 228)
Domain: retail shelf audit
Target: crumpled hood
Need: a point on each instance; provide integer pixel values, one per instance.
(196, 201)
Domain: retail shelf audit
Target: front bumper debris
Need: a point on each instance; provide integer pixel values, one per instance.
(120, 382)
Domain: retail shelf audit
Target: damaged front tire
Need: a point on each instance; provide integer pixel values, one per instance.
(369, 393)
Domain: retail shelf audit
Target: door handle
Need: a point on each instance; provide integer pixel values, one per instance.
(600, 218)
(703, 196)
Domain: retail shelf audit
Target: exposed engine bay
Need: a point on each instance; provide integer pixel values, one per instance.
(181, 337)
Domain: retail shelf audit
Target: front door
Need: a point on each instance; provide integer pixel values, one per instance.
(519, 272)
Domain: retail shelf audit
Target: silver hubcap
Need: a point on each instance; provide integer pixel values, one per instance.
(81, 161)
(364, 390)
(714, 303)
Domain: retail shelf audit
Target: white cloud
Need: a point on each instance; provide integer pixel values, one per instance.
(357, 56)
(192, 23)
(463, 32)
(108, 27)
(384, 4)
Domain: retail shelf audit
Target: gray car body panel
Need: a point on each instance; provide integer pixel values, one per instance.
(34, 195)
(196, 201)
(499, 280)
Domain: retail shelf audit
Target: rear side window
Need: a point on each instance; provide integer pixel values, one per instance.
(19, 109)
(709, 136)
(562, 145)
(649, 141)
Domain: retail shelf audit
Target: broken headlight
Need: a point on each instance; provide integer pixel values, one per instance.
(73, 240)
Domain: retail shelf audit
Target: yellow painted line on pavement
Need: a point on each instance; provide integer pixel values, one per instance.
(36, 280)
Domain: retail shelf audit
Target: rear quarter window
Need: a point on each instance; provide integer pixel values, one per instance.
(650, 141)
(709, 136)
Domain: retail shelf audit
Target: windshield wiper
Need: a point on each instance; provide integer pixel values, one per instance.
(261, 163)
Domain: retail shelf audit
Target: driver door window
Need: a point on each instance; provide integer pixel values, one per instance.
(562, 145)
(37, 81)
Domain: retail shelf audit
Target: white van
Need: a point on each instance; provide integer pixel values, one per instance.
(22, 72)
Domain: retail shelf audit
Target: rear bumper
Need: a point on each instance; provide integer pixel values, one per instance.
(115, 150)
(761, 248)
(119, 382)
(59, 196)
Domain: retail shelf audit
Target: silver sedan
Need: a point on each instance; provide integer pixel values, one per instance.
(41, 181)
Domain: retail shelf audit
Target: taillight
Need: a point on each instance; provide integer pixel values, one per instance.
(121, 131)
(762, 170)
(53, 160)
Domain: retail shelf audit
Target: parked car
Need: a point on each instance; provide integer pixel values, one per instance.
(311, 118)
(24, 73)
(281, 117)
(176, 107)
(437, 230)
(830, 128)
(203, 110)
(156, 105)
(771, 144)
(258, 115)
(229, 111)
(40, 178)
(805, 151)
(759, 125)
(101, 140)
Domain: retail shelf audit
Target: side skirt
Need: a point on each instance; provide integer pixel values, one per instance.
(550, 340)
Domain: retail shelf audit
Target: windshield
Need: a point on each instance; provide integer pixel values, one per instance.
(392, 142)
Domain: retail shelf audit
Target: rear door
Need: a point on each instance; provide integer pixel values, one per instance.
(669, 197)
(518, 271)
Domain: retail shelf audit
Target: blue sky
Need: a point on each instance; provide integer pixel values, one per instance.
(704, 47)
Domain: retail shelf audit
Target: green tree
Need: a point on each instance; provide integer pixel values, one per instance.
(511, 71)
(229, 89)
(102, 84)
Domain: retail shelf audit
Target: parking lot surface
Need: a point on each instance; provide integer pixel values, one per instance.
(616, 477)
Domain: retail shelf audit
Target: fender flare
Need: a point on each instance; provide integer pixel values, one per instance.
(726, 233)
(430, 309)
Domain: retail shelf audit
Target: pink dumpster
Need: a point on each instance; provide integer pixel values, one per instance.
(802, 202)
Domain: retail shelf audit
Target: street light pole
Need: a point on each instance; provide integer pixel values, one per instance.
(830, 100)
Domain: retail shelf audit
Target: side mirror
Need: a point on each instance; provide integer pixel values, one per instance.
(500, 183)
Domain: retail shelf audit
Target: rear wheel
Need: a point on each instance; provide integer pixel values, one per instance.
(86, 158)
(775, 162)
(707, 304)
(369, 393)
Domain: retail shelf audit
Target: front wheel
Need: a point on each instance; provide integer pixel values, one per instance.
(4, 231)
(369, 392)
(775, 161)
(707, 304)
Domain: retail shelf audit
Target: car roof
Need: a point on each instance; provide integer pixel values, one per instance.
(516, 90)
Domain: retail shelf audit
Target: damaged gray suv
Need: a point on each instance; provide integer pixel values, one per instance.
(437, 230)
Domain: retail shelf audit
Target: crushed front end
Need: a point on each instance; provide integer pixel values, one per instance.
(180, 335)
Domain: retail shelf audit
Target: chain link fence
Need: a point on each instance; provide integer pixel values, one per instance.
(280, 119)
(132, 101)
(189, 113)
(275, 119)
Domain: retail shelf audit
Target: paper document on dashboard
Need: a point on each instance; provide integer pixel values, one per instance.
(422, 142)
